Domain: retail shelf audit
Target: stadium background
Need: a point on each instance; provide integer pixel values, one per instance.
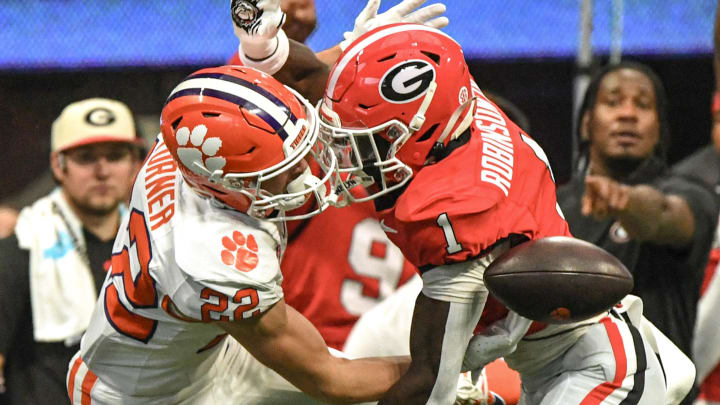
(54, 52)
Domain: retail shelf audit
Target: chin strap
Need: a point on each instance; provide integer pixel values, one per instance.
(342, 195)
(468, 108)
(419, 118)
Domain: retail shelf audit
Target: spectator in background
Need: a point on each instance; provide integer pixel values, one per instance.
(704, 165)
(55, 263)
(8, 219)
(623, 198)
(300, 18)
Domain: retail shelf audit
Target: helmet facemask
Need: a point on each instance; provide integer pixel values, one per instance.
(263, 203)
(370, 154)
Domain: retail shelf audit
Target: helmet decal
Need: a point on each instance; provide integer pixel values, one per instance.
(192, 155)
(407, 81)
(356, 48)
(245, 94)
(463, 96)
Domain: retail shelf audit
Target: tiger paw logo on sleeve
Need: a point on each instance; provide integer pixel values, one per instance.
(240, 251)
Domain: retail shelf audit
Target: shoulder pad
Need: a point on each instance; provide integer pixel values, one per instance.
(452, 186)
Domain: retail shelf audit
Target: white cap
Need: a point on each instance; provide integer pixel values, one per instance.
(90, 121)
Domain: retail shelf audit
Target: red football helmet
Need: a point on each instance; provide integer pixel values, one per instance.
(233, 129)
(393, 95)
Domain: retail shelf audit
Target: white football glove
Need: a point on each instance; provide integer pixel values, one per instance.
(257, 24)
(497, 340)
(407, 11)
(256, 20)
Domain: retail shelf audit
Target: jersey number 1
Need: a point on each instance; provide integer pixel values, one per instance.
(452, 244)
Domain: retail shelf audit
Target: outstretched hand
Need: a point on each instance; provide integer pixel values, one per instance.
(497, 340)
(604, 197)
(258, 26)
(406, 11)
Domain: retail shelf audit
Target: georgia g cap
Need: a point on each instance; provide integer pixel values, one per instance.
(91, 121)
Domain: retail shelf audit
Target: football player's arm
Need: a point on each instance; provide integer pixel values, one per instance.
(304, 71)
(646, 213)
(444, 318)
(285, 341)
(330, 55)
(438, 338)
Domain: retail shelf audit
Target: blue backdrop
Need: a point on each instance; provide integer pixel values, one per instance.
(79, 33)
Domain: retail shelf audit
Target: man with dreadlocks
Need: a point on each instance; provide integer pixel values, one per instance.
(623, 198)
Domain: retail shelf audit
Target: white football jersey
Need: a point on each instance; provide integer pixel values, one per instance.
(179, 263)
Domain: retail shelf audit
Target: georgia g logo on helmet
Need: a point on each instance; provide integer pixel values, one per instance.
(406, 81)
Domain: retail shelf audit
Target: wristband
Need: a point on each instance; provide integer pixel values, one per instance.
(267, 56)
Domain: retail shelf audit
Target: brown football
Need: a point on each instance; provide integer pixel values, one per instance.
(558, 279)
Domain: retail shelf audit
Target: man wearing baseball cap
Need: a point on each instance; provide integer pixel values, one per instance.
(54, 264)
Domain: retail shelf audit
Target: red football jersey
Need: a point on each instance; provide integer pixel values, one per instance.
(497, 185)
(339, 264)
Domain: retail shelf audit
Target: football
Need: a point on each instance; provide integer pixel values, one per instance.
(558, 279)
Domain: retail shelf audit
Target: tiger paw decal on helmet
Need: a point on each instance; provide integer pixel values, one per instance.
(199, 156)
(240, 251)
